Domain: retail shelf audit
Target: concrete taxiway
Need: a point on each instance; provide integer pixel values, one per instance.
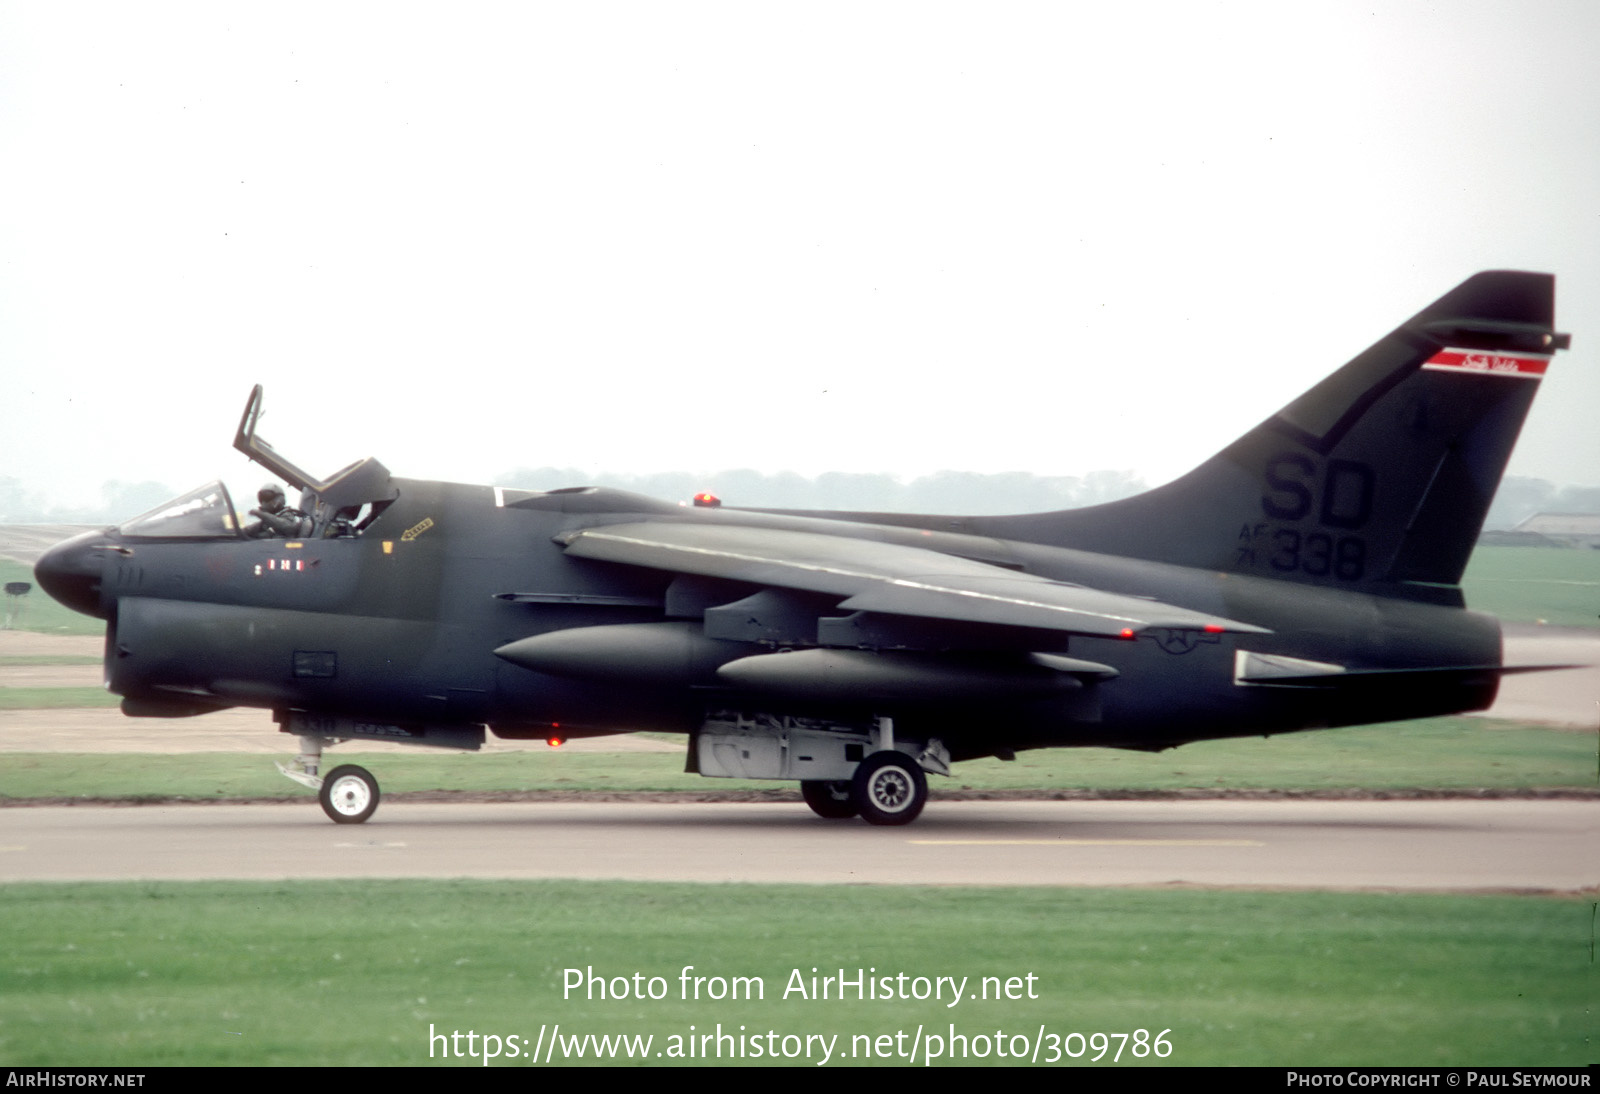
(1548, 846)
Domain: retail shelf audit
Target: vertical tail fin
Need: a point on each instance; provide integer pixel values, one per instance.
(1378, 478)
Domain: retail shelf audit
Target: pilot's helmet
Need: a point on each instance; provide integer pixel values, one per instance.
(270, 496)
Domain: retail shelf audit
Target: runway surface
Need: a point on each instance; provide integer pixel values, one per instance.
(1549, 846)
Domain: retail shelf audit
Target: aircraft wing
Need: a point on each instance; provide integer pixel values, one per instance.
(889, 578)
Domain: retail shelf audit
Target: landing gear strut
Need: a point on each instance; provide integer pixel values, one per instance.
(349, 793)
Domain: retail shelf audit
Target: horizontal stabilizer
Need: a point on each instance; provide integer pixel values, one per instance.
(1267, 670)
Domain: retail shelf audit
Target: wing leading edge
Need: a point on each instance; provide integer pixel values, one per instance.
(887, 578)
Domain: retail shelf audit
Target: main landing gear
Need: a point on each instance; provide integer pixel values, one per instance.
(888, 787)
(830, 800)
(348, 793)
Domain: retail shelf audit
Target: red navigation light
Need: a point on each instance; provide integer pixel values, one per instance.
(1127, 632)
(707, 501)
(1214, 628)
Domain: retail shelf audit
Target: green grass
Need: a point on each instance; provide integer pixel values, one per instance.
(1535, 584)
(144, 974)
(1435, 753)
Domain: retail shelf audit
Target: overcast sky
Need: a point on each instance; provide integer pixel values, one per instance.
(1055, 237)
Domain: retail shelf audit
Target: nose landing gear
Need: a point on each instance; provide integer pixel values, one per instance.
(348, 793)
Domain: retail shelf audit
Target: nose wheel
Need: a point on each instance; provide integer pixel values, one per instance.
(349, 794)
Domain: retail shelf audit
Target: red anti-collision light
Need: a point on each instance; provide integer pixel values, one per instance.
(707, 501)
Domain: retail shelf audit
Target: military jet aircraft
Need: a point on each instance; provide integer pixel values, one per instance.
(1307, 576)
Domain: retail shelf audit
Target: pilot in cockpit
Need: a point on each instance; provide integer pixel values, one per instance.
(274, 517)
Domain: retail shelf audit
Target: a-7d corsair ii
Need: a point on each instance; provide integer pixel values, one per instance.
(1307, 576)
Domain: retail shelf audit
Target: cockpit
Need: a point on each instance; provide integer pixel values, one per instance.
(343, 505)
(207, 512)
(203, 513)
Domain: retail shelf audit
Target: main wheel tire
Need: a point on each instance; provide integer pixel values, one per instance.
(889, 788)
(349, 794)
(829, 800)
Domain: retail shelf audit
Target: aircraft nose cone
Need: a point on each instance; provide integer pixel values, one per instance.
(70, 572)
